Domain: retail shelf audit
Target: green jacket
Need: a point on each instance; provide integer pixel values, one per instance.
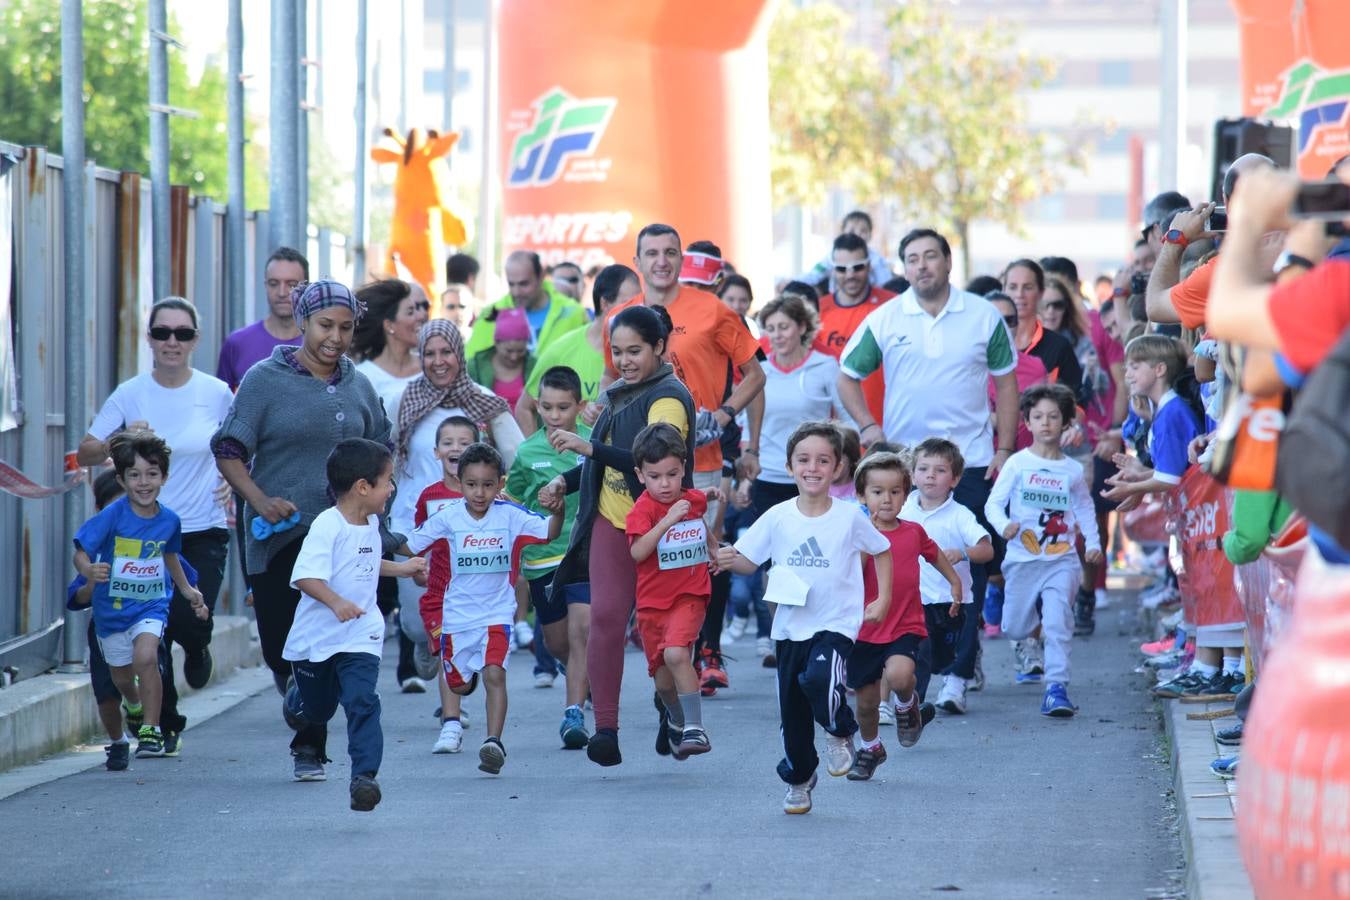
(480, 367)
(1257, 518)
(564, 315)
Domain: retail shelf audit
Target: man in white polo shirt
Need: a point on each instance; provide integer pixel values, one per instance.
(937, 346)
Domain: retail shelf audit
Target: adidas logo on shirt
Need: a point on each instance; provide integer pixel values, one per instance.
(809, 556)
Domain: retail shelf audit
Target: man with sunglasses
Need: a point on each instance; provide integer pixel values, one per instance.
(843, 311)
(567, 277)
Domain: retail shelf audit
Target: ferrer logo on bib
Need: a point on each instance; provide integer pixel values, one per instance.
(482, 553)
(564, 128)
(1043, 490)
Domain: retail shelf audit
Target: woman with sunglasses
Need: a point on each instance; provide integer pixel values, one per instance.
(384, 343)
(184, 406)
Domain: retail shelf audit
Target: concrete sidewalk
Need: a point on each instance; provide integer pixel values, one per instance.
(53, 712)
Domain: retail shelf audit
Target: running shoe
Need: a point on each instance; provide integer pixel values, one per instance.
(173, 743)
(573, 729)
(1103, 598)
(135, 717)
(865, 763)
(693, 741)
(1230, 737)
(544, 679)
(714, 675)
(365, 793)
(667, 735)
(952, 697)
(451, 738)
(909, 725)
(603, 747)
(413, 685)
(1178, 658)
(1055, 703)
(1225, 767)
(885, 713)
(1084, 620)
(736, 628)
(1168, 596)
(149, 742)
(798, 799)
(197, 668)
(308, 765)
(1158, 648)
(1222, 686)
(523, 632)
(1035, 657)
(838, 755)
(763, 646)
(119, 755)
(1169, 690)
(927, 713)
(491, 756)
(977, 683)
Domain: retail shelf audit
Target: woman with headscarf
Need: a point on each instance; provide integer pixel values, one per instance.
(290, 411)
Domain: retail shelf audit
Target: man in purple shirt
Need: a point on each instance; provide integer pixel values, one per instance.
(285, 269)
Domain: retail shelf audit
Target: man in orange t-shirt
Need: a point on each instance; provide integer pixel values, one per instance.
(843, 311)
(707, 336)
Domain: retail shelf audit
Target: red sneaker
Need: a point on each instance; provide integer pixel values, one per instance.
(1157, 648)
(713, 675)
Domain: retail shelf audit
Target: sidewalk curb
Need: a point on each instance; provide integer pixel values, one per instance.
(52, 712)
(1206, 806)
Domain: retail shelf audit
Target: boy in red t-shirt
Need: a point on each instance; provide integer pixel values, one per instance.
(886, 651)
(452, 436)
(672, 547)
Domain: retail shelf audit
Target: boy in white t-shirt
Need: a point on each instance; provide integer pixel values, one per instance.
(938, 465)
(1038, 502)
(816, 543)
(485, 536)
(335, 642)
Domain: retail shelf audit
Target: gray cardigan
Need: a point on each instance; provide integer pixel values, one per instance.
(288, 423)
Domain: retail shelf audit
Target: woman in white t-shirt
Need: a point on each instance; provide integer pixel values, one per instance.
(385, 341)
(184, 406)
(442, 389)
(801, 385)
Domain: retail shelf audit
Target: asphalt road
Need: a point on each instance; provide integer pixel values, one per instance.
(999, 803)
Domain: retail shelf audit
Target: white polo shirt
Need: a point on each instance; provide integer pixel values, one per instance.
(937, 369)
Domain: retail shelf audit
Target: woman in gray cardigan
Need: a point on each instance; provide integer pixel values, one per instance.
(273, 446)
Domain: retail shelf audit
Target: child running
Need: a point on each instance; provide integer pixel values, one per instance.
(453, 436)
(135, 542)
(672, 546)
(563, 626)
(485, 537)
(886, 651)
(1039, 499)
(816, 544)
(334, 645)
(938, 465)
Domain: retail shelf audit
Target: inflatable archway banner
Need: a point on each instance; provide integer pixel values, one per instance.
(614, 115)
(1296, 67)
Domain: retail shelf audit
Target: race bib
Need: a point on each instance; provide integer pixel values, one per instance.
(684, 544)
(482, 553)
(1045, 490)
(138, 580)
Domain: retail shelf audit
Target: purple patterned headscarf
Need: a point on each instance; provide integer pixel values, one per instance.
(308, 297)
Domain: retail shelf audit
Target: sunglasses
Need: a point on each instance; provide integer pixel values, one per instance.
(421, 306)
(164, 332)
(1056, 304)
(853, 267)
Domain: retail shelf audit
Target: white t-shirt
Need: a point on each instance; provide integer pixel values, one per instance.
(826, 553)
(484, 559)
(936, 368)
(389, 387)
(808, 393)
(185, 417)
(1049, 500)
(952, 527)
(422, 467)
(347, 558)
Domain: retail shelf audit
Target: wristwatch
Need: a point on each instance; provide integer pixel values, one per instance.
(1178, 237)
(729, 410)
(1287, 259)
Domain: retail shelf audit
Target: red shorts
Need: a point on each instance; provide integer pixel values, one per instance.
(677, 626)
(431, 608)
(466, 653)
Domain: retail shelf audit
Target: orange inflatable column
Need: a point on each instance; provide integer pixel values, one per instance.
(615, 115)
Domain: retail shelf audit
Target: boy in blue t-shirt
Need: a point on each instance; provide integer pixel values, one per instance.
(126, 551)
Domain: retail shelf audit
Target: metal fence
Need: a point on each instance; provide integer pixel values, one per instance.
(34, 550)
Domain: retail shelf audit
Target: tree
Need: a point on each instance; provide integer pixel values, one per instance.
(954, 122)
(116, 91)
(821, 96)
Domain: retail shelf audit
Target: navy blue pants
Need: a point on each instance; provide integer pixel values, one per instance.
(938, 651)
(811, 690)
(348, 679)
(972, 492)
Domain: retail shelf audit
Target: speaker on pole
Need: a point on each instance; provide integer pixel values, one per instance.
(1234, 137)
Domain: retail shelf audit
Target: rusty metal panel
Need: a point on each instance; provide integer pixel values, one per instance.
(133, 270)
(179, 213)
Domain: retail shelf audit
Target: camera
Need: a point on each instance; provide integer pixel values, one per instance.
(1218, 220)
(1139, 283)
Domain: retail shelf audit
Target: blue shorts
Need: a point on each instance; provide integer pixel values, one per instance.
(100, 677)
(545, 611)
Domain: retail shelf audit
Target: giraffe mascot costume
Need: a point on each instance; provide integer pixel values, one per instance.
(423, 224)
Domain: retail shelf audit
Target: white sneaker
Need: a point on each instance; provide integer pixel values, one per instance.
(413, 685)
(952, 698)
(763, 647)
(524, 633)
(798, 799)
(838, 755)
(1103, 598)
(544, 679)
(1035, 657)
(886, 713)
(736, 630)
(451, 738)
